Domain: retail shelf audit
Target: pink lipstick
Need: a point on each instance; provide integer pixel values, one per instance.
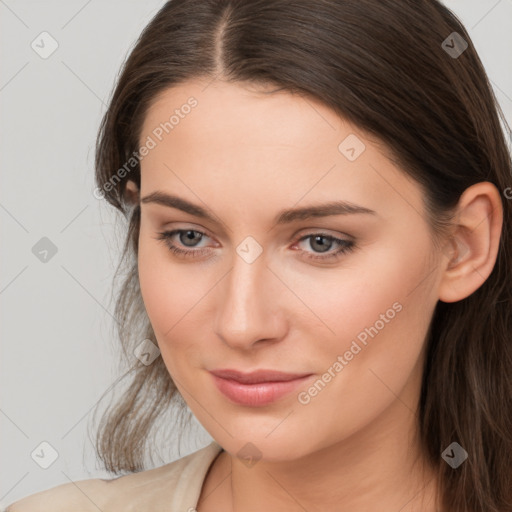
(257, 388)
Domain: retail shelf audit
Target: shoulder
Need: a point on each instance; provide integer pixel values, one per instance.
(77, 496)
(169, 487)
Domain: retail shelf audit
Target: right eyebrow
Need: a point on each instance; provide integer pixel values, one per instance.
(171, 201)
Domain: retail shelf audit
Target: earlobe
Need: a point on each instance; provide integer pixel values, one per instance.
(474, 242)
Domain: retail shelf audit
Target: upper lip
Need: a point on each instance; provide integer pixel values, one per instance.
(257, 376)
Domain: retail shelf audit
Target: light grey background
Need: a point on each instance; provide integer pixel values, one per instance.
(58, 355)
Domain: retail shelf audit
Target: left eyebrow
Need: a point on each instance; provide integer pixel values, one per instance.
(283, 217)
(321, 210)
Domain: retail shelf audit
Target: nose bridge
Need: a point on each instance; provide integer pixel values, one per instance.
(248, 310)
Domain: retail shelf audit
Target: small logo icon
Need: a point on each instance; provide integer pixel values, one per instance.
(249, 454)
(44, 455)
(44, 45)
(454, 455)
(454, 45)
(44, 250)
(146, 352)
(351, 147)
(249, 249)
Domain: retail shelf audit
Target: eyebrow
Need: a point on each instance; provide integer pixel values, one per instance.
(283, 217)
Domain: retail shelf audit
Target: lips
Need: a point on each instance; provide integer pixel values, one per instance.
(257, 376)
(258, 388)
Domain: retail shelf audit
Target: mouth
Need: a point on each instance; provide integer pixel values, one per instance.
(258, 388)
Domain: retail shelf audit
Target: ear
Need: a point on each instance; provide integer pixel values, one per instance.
(132, 192)
(474, 243)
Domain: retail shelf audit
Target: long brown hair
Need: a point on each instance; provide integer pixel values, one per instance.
(385, 66)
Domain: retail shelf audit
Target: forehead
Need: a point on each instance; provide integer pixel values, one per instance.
(249, 113)
(279, 146)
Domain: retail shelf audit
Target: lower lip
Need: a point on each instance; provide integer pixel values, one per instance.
(256, 395)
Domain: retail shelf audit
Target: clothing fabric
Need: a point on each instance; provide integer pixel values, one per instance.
(173, 487)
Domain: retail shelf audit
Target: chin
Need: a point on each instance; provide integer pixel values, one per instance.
(275, 447)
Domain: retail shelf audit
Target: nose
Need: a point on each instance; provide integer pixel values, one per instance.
(249, 310)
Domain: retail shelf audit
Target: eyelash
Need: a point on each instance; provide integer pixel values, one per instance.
(346, 245)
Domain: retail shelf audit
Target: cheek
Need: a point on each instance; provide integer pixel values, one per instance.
(380, 315)
(344, 302)
(376, 314)
(169, 293)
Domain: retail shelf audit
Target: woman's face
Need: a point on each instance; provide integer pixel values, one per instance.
(263, 287)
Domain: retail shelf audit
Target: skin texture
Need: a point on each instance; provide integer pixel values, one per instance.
(245, 156)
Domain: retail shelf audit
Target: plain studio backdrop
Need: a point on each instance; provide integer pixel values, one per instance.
(58, 353)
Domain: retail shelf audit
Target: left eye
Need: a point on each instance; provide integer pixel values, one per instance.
(318, 242)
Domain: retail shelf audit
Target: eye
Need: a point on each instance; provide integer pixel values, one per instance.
(322, 243)
(319, 242)
(187, 238)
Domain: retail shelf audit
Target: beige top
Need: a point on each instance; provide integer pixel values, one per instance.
(174, 487)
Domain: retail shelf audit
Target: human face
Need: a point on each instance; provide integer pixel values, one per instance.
(255, 294)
